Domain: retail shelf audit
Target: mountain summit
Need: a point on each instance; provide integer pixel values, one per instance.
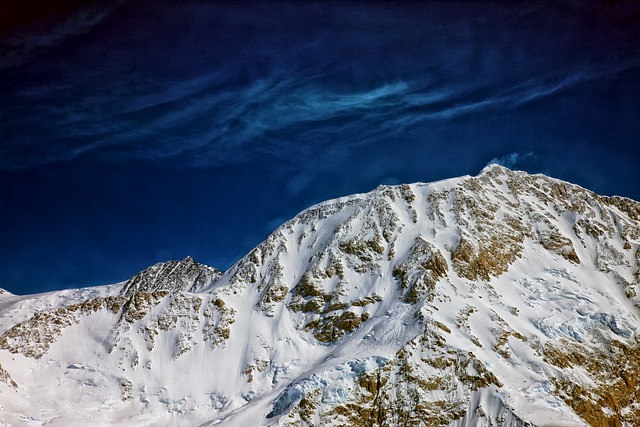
(505, 299)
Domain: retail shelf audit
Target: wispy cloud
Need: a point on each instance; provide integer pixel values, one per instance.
(19, 47)
(207, 121)
(510, 160)
(203, 84)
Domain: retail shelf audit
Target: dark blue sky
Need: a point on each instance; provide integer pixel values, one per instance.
(133, 132)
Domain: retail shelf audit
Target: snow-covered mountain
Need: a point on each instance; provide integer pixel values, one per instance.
(505, 299)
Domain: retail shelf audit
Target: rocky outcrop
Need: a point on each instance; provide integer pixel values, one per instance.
(185, 275)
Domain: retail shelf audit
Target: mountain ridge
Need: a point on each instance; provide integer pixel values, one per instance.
(500, 299)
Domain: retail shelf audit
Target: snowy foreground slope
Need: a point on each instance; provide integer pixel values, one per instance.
(505, 299)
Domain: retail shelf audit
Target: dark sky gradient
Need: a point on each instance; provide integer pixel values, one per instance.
(133, 132)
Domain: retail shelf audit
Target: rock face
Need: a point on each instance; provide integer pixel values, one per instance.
(186, 275)
(504, 299)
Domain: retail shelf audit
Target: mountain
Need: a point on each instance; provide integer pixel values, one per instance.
(505, 299)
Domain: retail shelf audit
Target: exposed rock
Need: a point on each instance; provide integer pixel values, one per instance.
(185, 275)
(6, 378)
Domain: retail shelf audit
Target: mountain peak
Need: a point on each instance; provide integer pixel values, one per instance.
(184, 275)
(495, 168)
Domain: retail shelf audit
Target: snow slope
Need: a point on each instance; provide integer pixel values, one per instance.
(502, 299)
